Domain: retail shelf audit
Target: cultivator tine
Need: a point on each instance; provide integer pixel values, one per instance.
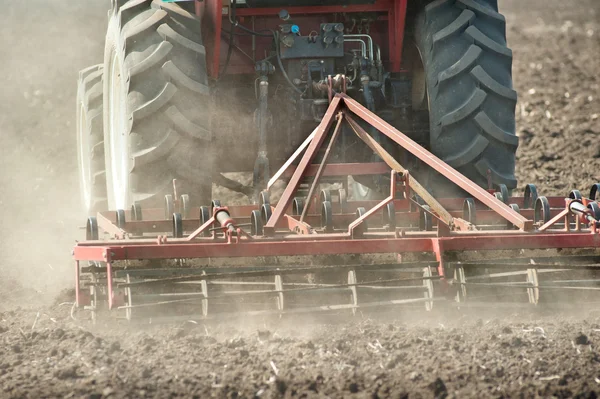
(279, 290)
(129, 308)
(352, 285)
(533, 292)
(428, 284)
(459, 277)
(204, 287)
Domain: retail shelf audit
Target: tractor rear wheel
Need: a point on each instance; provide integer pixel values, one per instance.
(469, 93)
(90, 138)
(156, 105)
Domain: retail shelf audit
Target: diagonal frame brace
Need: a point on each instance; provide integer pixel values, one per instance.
(311, 151)
(348, 106)
(444, 215)
(437, 164)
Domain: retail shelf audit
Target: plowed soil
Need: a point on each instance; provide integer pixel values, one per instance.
(47, 351)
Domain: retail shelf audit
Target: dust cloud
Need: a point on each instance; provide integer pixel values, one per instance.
(44, 43)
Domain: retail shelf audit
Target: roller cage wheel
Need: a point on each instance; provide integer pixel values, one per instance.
(90, 139)
(425, 219)
(469, 92)
(470, 211)
(155, 67)
(575, 195)
(363, 227)
(541, 210)
(136, 211)
(530, 196)
(595, 192)
(177, 225)
(205, 216)
(416, 198)
(343, 199)
(214, 204)
(297, 206)
(264, 198)
(169, 206)
(503, 190)
(389, 217)
(256, 224)
(91, 229)
(595, 209)
(514, 207)
(327, 216)
(325, 195)
(265, 213)
(120, 218)
(185, 205)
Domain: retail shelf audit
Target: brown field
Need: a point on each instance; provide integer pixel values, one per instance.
(44, 352)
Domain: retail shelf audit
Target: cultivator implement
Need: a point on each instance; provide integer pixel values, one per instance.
(316, 250)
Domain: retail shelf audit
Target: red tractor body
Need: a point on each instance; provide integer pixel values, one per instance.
(386, 19)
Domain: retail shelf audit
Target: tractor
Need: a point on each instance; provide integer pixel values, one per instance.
(191, 90)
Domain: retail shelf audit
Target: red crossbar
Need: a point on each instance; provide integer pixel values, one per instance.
(334, 244)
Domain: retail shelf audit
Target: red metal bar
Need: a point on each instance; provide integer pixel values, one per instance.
(528, 241)
(260, 248)
(344, 169)
(156, 215)
(109, 284)
(437, 164)
(555, 220)
(368, 214)
(377, 207)
(340, 220)
(211, 13)
(240, 214)
(379, 6)
(315, 144)
(438, 249)
(297, 226)
(108, 226)
(397, 24)
(456, 204)
(315, 182)
(77, 284)
(201, 229)
(332, 244)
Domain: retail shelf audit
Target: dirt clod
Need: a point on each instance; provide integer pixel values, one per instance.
(439, 389)
(264, 335)
(582, 339)
(67, 373)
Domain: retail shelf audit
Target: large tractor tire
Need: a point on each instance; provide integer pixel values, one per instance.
(157, 105)
(90, 140)
(469, 93)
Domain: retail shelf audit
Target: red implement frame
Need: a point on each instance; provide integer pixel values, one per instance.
(285, 235)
